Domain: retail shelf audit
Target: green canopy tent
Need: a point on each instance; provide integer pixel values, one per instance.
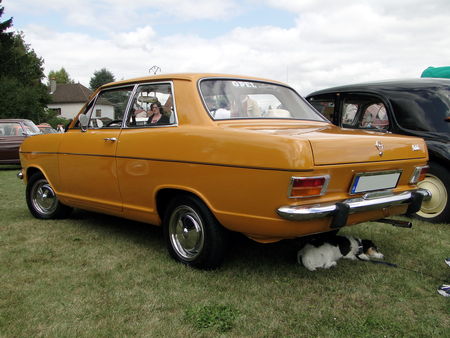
(442, 72)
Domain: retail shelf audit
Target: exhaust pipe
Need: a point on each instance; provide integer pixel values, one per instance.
(396, 223)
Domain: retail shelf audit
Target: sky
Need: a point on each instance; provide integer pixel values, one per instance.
(309, 44)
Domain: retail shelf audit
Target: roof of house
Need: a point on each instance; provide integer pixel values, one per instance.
(70, 93)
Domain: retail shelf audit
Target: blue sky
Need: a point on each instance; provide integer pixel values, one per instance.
(310, 44)
(249, 14)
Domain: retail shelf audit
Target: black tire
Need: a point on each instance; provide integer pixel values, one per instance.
(437, 181)
(42, 200)
(193, 235)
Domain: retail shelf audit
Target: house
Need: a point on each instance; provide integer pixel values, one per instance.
(68, 99)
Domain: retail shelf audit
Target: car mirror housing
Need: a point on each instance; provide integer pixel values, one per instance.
(84, 120)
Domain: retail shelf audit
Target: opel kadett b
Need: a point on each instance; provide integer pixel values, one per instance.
(204, 154)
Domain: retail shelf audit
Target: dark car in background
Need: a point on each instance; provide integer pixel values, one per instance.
(12, 134)
(417, 107)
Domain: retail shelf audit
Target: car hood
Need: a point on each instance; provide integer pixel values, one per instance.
(334, 145)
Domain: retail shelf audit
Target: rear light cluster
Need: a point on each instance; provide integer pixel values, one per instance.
(301, 187)
(418, 174)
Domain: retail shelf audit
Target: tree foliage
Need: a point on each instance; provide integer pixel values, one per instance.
(101, 77)
(60, 76)
(21, 73)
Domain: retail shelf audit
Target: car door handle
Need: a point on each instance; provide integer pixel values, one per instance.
(112, 139)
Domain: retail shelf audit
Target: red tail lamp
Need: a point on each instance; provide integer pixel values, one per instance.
(301, 187)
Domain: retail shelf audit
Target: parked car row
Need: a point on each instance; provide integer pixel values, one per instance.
(12, 134)
(419, 107)
(203, 154)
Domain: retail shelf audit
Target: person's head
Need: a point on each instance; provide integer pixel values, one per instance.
(155, 108)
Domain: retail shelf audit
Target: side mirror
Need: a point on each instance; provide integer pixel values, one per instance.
(84, 121)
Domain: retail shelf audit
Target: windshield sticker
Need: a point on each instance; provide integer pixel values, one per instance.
(245, 84)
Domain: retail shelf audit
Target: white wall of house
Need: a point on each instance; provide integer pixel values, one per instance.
(104, 110)
(70, 110)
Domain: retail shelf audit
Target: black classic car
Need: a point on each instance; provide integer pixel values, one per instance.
(417, 107)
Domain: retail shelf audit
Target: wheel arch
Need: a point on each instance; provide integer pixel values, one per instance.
(165, 195)
(30, 171)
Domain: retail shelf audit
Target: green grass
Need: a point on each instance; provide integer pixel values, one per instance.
(98, 276)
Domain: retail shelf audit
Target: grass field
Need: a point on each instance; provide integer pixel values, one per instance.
(98, 276)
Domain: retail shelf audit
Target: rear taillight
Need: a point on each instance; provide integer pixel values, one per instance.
(308, 186)
(418, 174)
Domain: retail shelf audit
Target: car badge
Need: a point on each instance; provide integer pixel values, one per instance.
(415, 147)
(379, 145)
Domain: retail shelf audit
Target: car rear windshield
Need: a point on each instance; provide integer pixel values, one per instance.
(424, 109)
(236, 99)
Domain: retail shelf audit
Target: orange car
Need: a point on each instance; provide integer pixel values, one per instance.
(204, 154)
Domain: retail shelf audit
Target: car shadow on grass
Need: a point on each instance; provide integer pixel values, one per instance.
(137, 232)
(242, 251)
(6, 167)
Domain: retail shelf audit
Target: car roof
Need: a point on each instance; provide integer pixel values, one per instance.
(187, 77)
(14, 120)
(387, 86)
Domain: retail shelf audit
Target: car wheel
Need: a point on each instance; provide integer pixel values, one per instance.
(42, 200)
(437, 181)
(193, 235)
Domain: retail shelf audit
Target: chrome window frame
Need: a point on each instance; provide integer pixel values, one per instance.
(137, 85)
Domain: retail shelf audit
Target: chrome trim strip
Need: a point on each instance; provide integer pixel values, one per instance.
(307, 212)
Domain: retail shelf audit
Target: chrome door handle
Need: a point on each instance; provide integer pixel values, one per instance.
(112, 139)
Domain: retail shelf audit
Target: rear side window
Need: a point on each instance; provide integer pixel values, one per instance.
(152, 106)
(364, 112)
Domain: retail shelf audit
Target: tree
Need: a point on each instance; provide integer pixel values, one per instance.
(101, 77)
(61, 76)
(21, 73)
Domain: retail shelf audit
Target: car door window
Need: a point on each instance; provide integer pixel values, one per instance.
(364, 112)
(108, 109)
(324, 104)
(11, 129)
(151, 106)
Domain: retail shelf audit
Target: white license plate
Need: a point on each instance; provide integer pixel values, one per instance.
(365, 182)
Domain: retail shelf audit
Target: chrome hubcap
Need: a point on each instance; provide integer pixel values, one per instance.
(186, 232)
(43, 197)
(438, 201)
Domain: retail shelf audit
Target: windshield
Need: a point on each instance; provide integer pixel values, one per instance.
(424, 109)
(235, 99)
(31, 128)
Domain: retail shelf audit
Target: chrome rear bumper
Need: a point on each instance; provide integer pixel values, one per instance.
(340, 210)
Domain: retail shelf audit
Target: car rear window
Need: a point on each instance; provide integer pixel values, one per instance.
(235, 99)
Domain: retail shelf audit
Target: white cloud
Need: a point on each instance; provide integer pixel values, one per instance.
(331, 42)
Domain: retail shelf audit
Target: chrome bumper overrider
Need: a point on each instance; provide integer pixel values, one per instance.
(340, 210)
